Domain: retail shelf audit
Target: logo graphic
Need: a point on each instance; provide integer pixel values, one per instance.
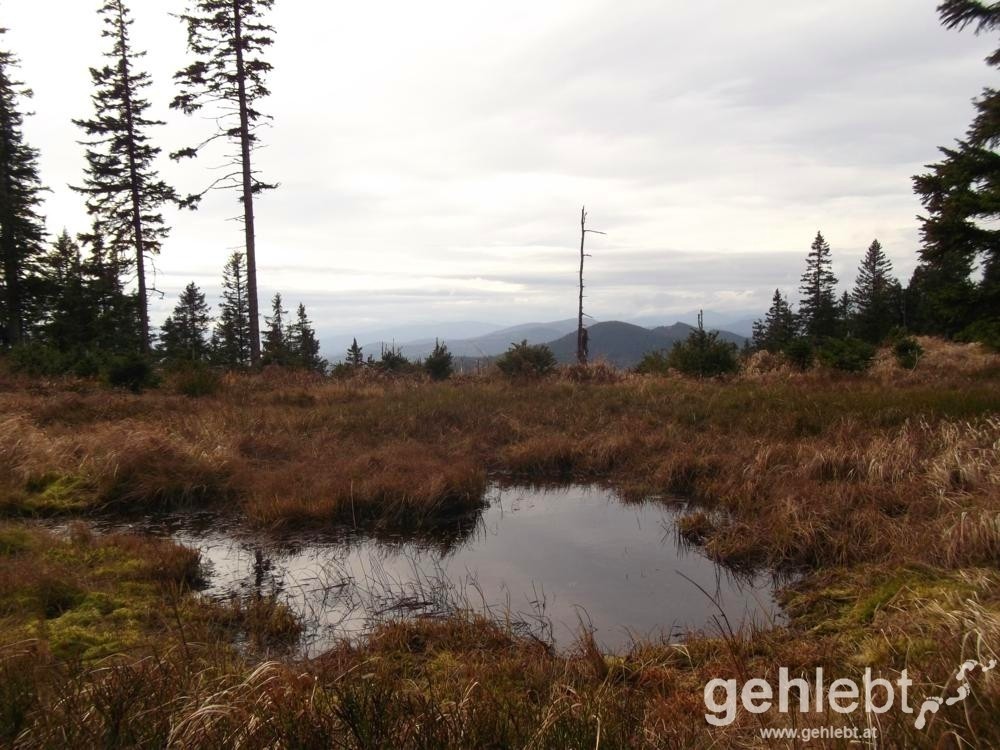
(844, 696)
(933, 705)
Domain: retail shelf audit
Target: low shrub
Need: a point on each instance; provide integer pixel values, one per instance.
(197, 381)
(985, 332)
(907, 352)
(527, 360)
(704, 355)
(130, 371)
(39, 360)
(847, 355)
(801, 353)
(654, 363)
(346, 370)
(392, 361)
(439, 364)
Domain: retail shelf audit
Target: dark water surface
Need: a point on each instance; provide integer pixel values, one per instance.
(548, 558)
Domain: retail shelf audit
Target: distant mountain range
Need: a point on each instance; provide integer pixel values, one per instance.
(478, 340)
(487, 345)
(622, 344)
(625, 344)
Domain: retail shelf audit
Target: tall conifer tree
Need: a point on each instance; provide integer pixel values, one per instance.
(184, 336)
(70, 303)
(276, 350)
(231, 341)
(875, 296)
(818, 306)
(778, 327)
(124, 192)
(228, 39)
(961, 194)
(116, 311)
(355, 356)
(303, 344)
(22, 229)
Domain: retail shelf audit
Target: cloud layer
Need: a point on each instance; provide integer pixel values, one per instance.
(433, 157)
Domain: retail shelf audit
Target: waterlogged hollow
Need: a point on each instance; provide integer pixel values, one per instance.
(550, 559)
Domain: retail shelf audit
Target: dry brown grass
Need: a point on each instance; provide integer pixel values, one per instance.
(467, 682)
(802, 451)
(882, 491)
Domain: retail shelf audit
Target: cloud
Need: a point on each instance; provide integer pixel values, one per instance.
(433, 158)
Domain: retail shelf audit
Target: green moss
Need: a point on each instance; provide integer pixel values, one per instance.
(846, 602)
(52, 494)
(911, 585)
(88, 598)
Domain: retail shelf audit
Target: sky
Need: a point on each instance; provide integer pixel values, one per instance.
(433, 157)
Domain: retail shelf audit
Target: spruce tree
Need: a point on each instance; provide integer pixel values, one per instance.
(184, 335)
(69, 301)
(124, 192)
(231, 340)
(845, 315)
(116, 311)
(22, 229)
(875, 296)
(228, 39)
(440, 364)
(302, 343)
(355, 356)
(779, 326)
(961, 195)
(818, 306)
(276, 351)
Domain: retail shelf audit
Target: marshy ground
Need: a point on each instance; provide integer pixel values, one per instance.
(879, 494)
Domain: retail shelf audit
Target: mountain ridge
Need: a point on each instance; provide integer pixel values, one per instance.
(637, 335)
(625, 344)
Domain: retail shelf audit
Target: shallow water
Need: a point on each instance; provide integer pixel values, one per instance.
(551, 559)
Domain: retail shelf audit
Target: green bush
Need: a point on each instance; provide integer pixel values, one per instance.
(654, 363)
(197, 381)
(907, 352)
(800, 353)
(393, 361)
(39, 360)
(985, 332)
(704, 355)
(526, 360)
(847, 355)
(86, 365)
(42, 360)
(130, 371)
(439, 363)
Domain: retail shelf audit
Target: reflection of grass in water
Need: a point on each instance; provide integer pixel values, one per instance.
(347, 598)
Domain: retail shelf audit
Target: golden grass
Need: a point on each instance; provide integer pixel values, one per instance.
(465, 682)
(881, 491)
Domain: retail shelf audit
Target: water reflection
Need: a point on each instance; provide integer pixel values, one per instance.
(550, 559)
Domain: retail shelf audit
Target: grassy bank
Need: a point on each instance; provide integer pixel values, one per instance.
(463, 682)
(882, 491)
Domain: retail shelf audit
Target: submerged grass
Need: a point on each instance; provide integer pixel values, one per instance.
(881, 491)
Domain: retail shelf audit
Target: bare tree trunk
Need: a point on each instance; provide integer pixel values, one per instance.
(133, 171)
(248, 221)
(581, 354)
(8, 249)
(12, 284)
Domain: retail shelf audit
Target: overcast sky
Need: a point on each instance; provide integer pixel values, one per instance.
(433, 157)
